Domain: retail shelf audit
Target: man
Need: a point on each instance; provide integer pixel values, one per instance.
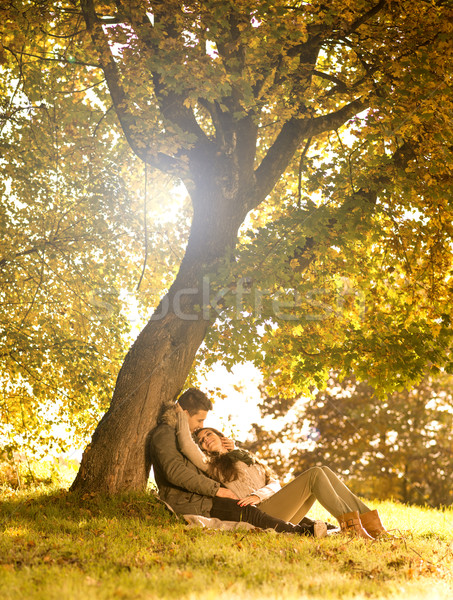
(187, 489)
(181, 485)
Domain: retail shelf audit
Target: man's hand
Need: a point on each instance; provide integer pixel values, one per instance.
(225, 493)
(252, 499)
(227, 444)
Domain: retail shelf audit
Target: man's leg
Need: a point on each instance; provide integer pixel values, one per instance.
(227, 509)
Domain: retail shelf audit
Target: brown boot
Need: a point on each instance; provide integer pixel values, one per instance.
(350, 523)
(372, 524)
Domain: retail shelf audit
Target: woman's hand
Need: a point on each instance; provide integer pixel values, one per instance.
(227, 444)
(252, 499)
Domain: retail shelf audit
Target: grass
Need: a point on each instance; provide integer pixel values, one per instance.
(59, 546)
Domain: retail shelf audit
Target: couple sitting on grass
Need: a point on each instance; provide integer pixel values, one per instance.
(229, 484)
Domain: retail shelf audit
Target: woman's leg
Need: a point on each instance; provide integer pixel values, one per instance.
(294, 500)
(344, 492)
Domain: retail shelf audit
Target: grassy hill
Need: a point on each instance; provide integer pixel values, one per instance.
(57, 546)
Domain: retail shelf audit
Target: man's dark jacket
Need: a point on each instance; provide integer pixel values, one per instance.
(181, 485)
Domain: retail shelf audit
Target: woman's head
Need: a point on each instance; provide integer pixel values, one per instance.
(210, 440)
(221, 466)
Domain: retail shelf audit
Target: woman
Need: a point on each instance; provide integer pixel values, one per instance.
(253, 483)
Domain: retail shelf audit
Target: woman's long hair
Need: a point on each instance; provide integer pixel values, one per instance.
(224, 467)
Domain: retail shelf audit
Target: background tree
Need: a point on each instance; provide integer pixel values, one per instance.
(231, 98)
(400, 447)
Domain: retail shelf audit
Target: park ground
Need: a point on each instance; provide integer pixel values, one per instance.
(59, 546)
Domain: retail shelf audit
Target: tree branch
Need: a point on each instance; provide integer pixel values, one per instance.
(292, 134)
(365, 17)
(340, 86)
(60, 59)
(119, 97)
(171, 103)
(62, 37)
(8, 259)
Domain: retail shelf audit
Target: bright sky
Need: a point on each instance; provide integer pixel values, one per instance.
(235, 413)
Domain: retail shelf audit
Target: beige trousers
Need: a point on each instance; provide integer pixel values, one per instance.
(294, 500)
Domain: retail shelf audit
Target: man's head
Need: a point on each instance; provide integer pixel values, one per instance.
(196, 404)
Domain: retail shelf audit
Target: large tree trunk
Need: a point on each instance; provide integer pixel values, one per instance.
(159, 361)
(154, 371)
